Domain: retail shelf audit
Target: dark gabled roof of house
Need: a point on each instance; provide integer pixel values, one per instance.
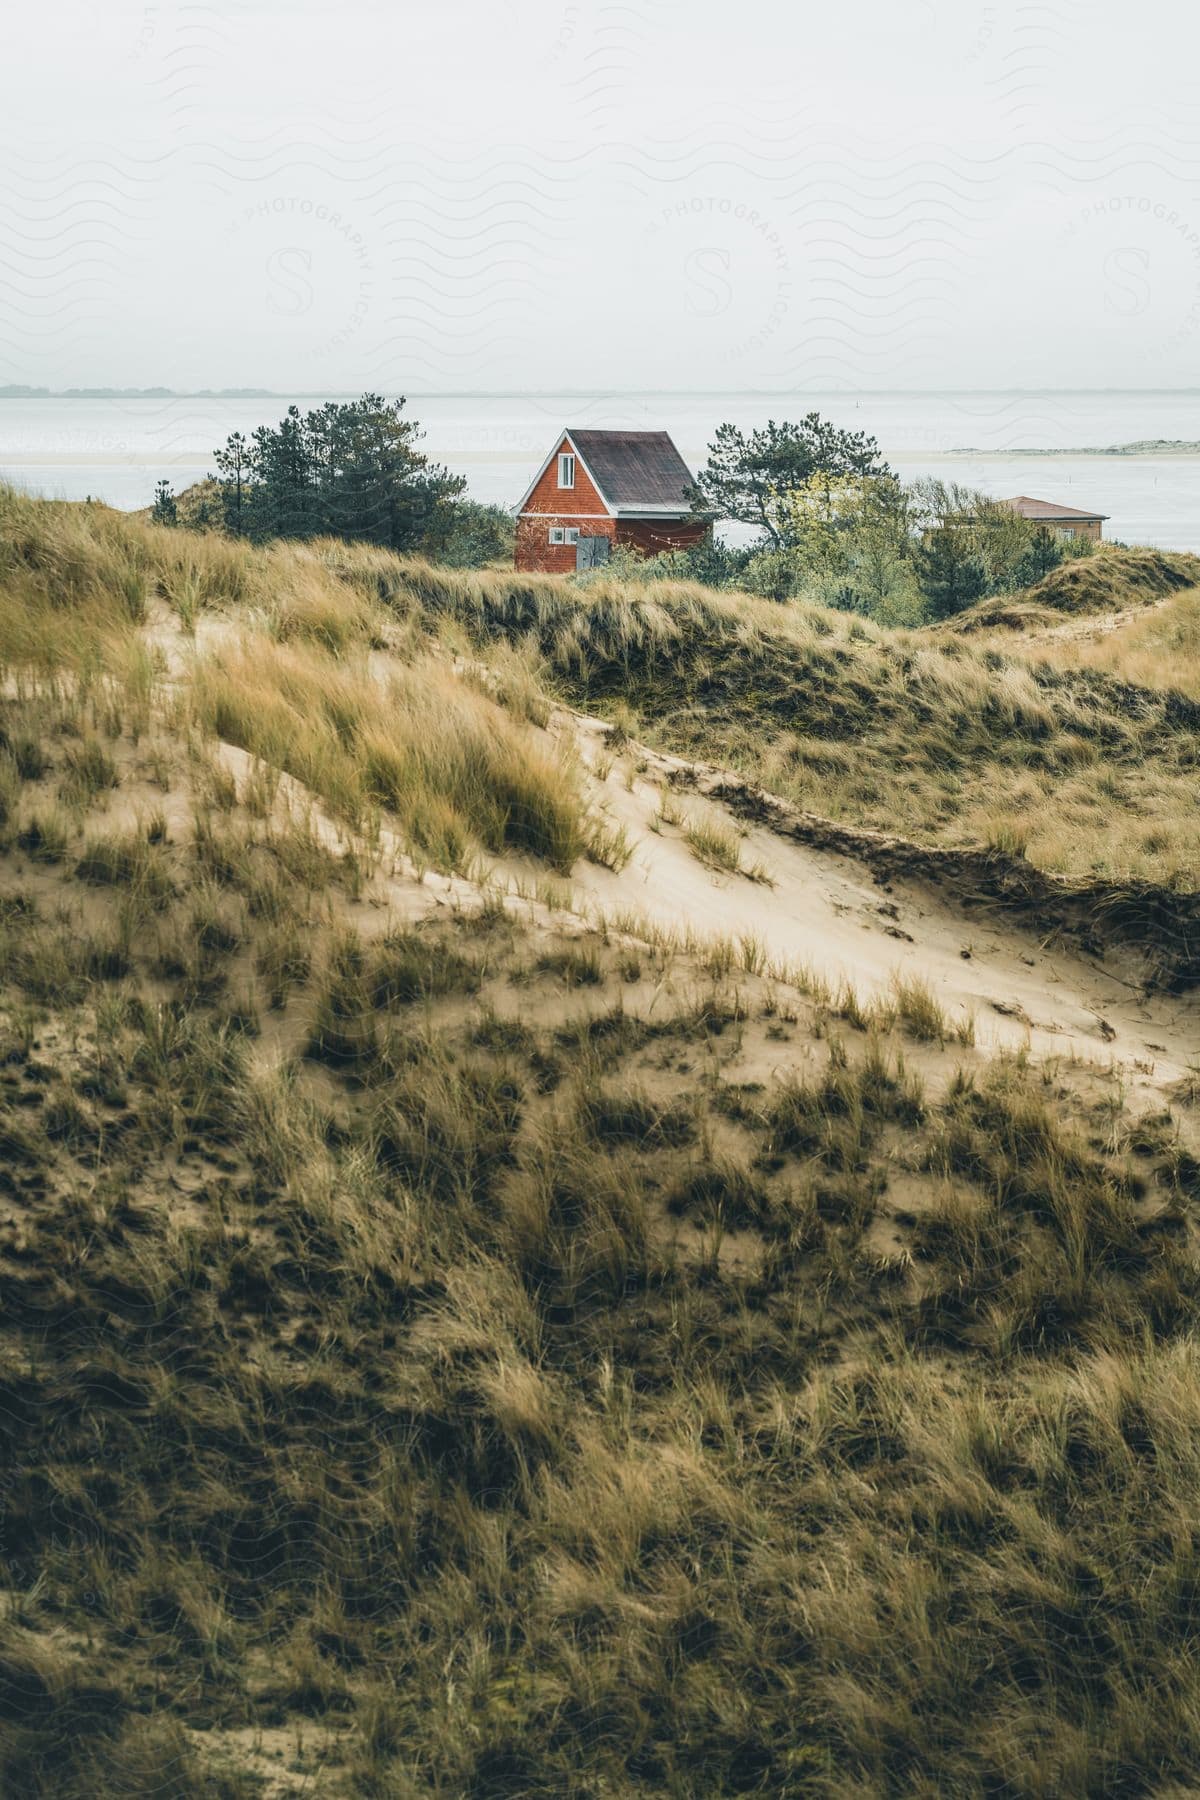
(635, 468)
(1047, 509)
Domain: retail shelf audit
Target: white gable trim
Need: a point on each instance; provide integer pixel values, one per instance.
(661, 512)
(564, 437)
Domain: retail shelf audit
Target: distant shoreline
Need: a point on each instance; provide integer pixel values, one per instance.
(1144, 447)
(16, 391)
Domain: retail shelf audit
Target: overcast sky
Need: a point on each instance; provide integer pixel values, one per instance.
(541, 194)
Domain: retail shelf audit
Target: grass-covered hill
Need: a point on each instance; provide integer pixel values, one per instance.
(1082, 771)
(1109, 580)
(451, 1345)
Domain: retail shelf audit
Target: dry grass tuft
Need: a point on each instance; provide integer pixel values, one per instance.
(451, 766)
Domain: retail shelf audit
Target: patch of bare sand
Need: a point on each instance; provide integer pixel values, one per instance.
(177, 648)
(826, 912)
(281, 1760)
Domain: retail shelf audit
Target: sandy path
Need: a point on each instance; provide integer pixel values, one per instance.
(826, 910)
(1091, 627)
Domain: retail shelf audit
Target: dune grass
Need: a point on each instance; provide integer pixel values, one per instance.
(719, 847)
(1158, 649)
(952, 736)
(449, 764)
(947, 739)
(451, 1342)
(432, 746)
(1111, 579)
(1114, 577)
(716, 845)
(448, 1356)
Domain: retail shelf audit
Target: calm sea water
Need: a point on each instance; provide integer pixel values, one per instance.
(116, 450)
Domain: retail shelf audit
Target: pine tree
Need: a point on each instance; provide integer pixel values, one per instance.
(349, 470)
(747, 478)
(950, 569)
(234, 466)
(164, 511)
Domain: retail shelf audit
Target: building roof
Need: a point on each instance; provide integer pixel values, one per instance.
(635, 469)
(635, 472)
(1048, 509)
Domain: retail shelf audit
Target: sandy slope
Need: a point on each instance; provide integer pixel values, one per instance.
(829, 912)
(822, 910)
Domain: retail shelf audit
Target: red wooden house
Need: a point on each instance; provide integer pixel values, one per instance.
(600, 488)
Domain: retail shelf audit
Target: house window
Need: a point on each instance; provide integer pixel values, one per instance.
(557, 535)
(566, 469)
(1066, 531)
(571, 534)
